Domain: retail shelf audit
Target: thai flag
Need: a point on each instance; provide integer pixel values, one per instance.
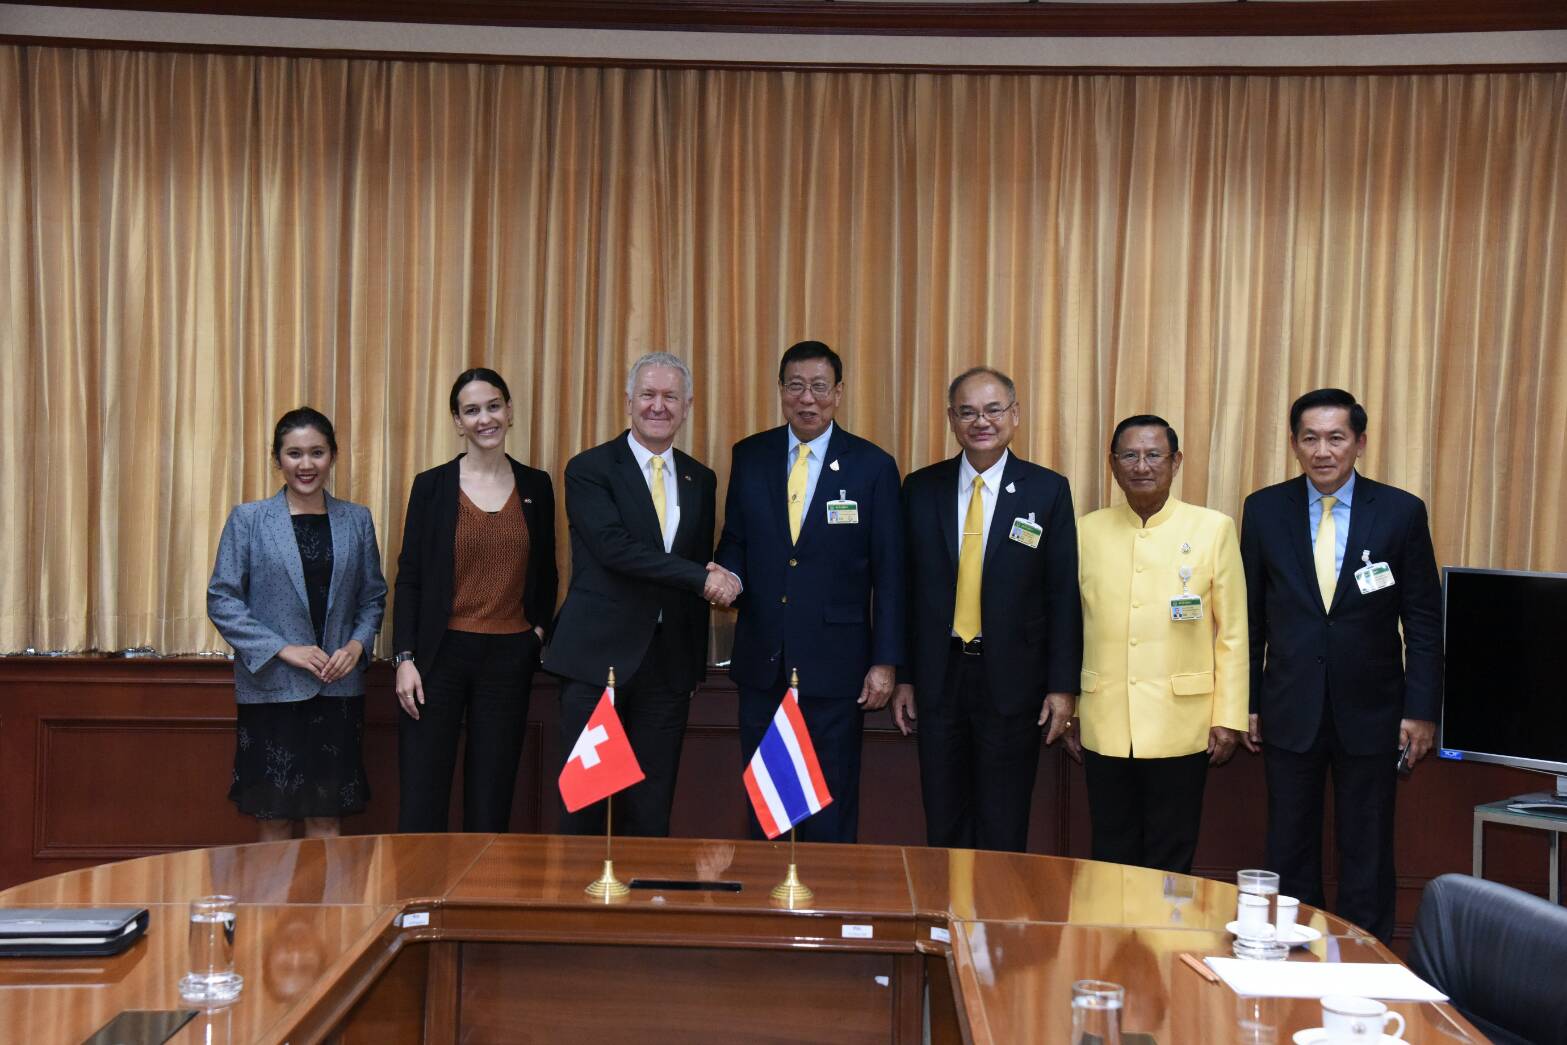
(784, 779)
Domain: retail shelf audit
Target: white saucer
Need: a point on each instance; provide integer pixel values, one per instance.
(1298, 935)
(1317, 1035)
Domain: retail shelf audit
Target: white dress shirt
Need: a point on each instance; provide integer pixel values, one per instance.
(644, 458)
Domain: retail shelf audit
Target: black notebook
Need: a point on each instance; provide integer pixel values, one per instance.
(69, 932)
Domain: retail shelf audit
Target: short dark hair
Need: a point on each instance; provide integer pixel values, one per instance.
(1335, 397)
(975, 371)
(478, 373)
(1146, 421)
(801, 351)
(302, 417)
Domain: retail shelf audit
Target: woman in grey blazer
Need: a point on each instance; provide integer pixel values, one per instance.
(299, 575)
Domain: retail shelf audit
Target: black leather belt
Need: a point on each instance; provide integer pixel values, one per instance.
(973, 648)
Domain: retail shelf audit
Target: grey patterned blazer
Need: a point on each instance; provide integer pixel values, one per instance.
(257, 598)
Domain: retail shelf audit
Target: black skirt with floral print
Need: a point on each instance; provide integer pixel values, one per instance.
(300, 759)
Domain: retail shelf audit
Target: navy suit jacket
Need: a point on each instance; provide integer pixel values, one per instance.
(1348, 657)
(621, 576)
(258, 602)
(831, 605)
(1033, 617)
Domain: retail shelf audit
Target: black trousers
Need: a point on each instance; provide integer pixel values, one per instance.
(836, 725)
(485, 679)
(1146, 811)
(977, 765)
(654, 716)
(1364, 790)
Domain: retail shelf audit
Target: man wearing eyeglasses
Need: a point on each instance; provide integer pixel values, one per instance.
(811, 531)
(1165, 654)
(995, 632)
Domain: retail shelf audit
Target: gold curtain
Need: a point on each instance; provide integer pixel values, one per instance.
(194, 243)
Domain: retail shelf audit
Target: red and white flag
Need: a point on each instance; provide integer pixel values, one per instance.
(601, 761)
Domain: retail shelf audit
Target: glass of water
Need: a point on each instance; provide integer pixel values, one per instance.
(212, 979)
(1096, 1012)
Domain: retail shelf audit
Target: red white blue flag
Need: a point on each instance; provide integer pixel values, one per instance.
(784, 779)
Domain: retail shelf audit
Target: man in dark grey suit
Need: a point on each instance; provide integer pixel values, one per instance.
(641, 516)
(1335, 563)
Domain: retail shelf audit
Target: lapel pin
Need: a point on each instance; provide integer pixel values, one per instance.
(834, 465)
(1011, 487)
(1186, 546)
(686, 477)
(527, 500)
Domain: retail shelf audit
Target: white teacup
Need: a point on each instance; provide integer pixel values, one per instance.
(1289, 907)
(1351, 1021)
(1251, 914)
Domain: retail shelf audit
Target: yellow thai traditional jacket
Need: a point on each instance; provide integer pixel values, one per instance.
(1152, 686)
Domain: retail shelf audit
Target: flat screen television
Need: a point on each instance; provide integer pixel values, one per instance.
(1505, 694)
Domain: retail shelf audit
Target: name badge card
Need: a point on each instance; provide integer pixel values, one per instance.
(843, 512)
(1186, 607)
(1374, 576)
(1026, 532)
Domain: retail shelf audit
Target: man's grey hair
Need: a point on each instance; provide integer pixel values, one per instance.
(668, 359)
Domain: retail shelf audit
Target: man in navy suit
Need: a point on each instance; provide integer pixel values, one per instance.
(1335, 562)
(995, 627)
(812, 532)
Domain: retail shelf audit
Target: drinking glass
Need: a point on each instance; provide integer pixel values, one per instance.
(212, 979)
(1096, 1012)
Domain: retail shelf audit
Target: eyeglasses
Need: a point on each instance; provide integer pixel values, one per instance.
(967, 415)
(1153, 458)
(797, 388)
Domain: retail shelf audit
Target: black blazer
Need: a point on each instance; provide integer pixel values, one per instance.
(1033, 617)
(427, 562)
(621, 577)
(1304, 657)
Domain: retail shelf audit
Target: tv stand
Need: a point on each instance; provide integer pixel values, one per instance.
(1538, 811)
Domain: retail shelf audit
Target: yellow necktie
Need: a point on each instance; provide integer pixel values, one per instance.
(797, 477)
(971, 563)
(659, 505)
(1325, 551)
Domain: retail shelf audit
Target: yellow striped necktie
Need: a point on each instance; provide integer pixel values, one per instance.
(659, 503)
(1325, 551)
(797, 477)
(971, 563)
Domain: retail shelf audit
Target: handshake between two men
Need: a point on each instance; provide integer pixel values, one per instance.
(722, 587)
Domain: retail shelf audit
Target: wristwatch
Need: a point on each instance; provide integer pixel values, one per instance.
(406, 655)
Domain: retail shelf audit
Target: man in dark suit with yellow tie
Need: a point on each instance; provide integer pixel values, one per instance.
(811, 530)
(995, 626)
(1335, 563)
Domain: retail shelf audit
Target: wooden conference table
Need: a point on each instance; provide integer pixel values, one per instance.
(481, 938)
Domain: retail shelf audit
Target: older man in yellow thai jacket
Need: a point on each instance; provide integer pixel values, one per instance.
(1165, 661)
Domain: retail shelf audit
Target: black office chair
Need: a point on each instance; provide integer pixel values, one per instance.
(1499, 953)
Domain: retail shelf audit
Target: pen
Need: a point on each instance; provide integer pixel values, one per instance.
(1200, 969)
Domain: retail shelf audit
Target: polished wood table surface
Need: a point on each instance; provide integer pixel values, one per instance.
(490, 937)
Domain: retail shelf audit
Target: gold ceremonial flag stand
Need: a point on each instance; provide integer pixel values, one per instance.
(791, 892)
(607, 887)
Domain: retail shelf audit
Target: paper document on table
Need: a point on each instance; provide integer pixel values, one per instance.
(1317, 979)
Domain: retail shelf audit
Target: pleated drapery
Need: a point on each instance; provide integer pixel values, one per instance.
(191, 244)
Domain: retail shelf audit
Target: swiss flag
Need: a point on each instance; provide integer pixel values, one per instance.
(601, 761)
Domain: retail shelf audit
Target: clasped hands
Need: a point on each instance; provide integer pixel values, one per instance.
(326, 667)
(722, 587)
